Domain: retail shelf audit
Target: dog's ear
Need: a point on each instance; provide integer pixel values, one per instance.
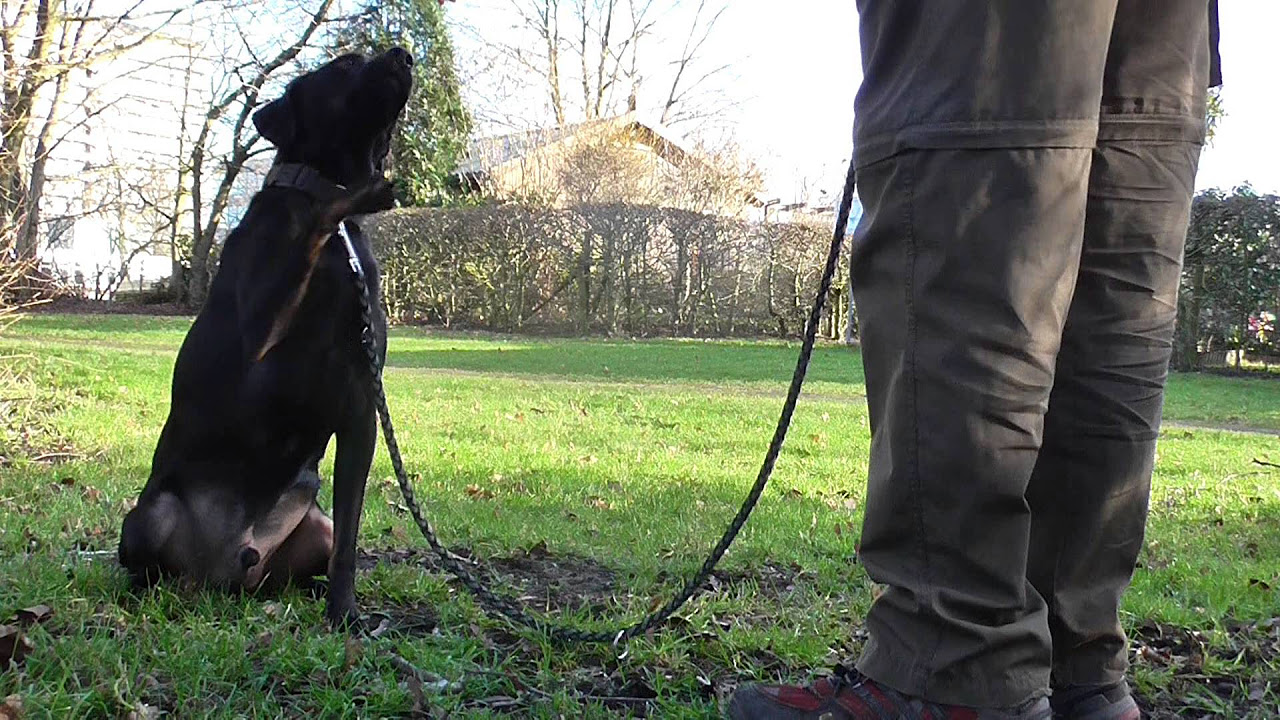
(275, 121)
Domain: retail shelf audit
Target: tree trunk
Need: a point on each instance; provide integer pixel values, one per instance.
(768, 292)
(12, 187)
(1244, 335)
(19, 96)
(1186, 351)
(551, 33)
(584, 283)
(850, 326)
(680, 280)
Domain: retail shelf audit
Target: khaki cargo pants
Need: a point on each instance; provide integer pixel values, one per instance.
(1026, 168)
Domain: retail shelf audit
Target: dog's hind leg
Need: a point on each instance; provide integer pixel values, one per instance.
(350, 472)
(266, 537)
(304, 554)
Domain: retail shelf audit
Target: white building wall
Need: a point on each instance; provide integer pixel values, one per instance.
(113, 175)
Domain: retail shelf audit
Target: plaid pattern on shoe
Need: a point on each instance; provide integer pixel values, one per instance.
(1093, 703)
(849, 695)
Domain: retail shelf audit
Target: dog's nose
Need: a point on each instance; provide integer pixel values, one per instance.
(249, 557)
(401, 55)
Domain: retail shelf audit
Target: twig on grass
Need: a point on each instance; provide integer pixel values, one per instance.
(55, 358)
(429, 680)
(92, 555)
(436, 683)
(1265, 463)
(53, 456)
(588, 697)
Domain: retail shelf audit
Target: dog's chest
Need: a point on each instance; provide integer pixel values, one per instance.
(321, 364)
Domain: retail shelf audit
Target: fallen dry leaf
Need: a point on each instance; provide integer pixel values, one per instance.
(837, 503)
(414, 687)
(14, 645)
(396, 533)
(11, 708)
(143, 711)
(599, 503)
(351, 652)
(478, 493)
(262, 640)
(34, 614)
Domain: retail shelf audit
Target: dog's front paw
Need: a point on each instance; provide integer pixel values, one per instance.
(342, 613)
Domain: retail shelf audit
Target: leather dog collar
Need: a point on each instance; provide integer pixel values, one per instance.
(304, 178)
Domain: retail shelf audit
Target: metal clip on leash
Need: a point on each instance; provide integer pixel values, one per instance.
(505, 607)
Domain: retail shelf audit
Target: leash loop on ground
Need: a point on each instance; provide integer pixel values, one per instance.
(508, 609)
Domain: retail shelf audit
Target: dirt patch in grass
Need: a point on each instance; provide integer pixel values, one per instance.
(558, 582)
(770, 580)
(1232, 672)
(550, 582)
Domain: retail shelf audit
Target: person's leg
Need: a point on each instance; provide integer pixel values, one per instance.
(963, 289)
(964, 266)
(974, 131)
(1091, 485)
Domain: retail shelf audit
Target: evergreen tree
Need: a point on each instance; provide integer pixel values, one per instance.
(431, 137)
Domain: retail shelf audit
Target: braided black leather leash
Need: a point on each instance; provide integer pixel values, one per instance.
(508, 609)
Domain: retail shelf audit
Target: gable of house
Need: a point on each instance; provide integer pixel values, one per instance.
(560, 166)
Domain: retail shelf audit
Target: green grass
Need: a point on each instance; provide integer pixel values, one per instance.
(624, 460)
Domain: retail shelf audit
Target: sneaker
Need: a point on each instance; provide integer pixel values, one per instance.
(849, 695)
(1092, 703)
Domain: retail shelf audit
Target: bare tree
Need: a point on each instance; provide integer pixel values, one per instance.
(609, 49)
(683, 86)
(60, 37)
(231, 112)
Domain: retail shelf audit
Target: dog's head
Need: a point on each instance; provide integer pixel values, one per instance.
(193, 534)
(338, 119)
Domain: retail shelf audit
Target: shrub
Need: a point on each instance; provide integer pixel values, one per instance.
(611, 268)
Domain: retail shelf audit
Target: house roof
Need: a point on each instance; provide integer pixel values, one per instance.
(485, 154)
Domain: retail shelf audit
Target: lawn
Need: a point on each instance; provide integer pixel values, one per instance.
(587, 477)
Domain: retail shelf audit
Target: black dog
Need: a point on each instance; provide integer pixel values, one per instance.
(273, 366)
